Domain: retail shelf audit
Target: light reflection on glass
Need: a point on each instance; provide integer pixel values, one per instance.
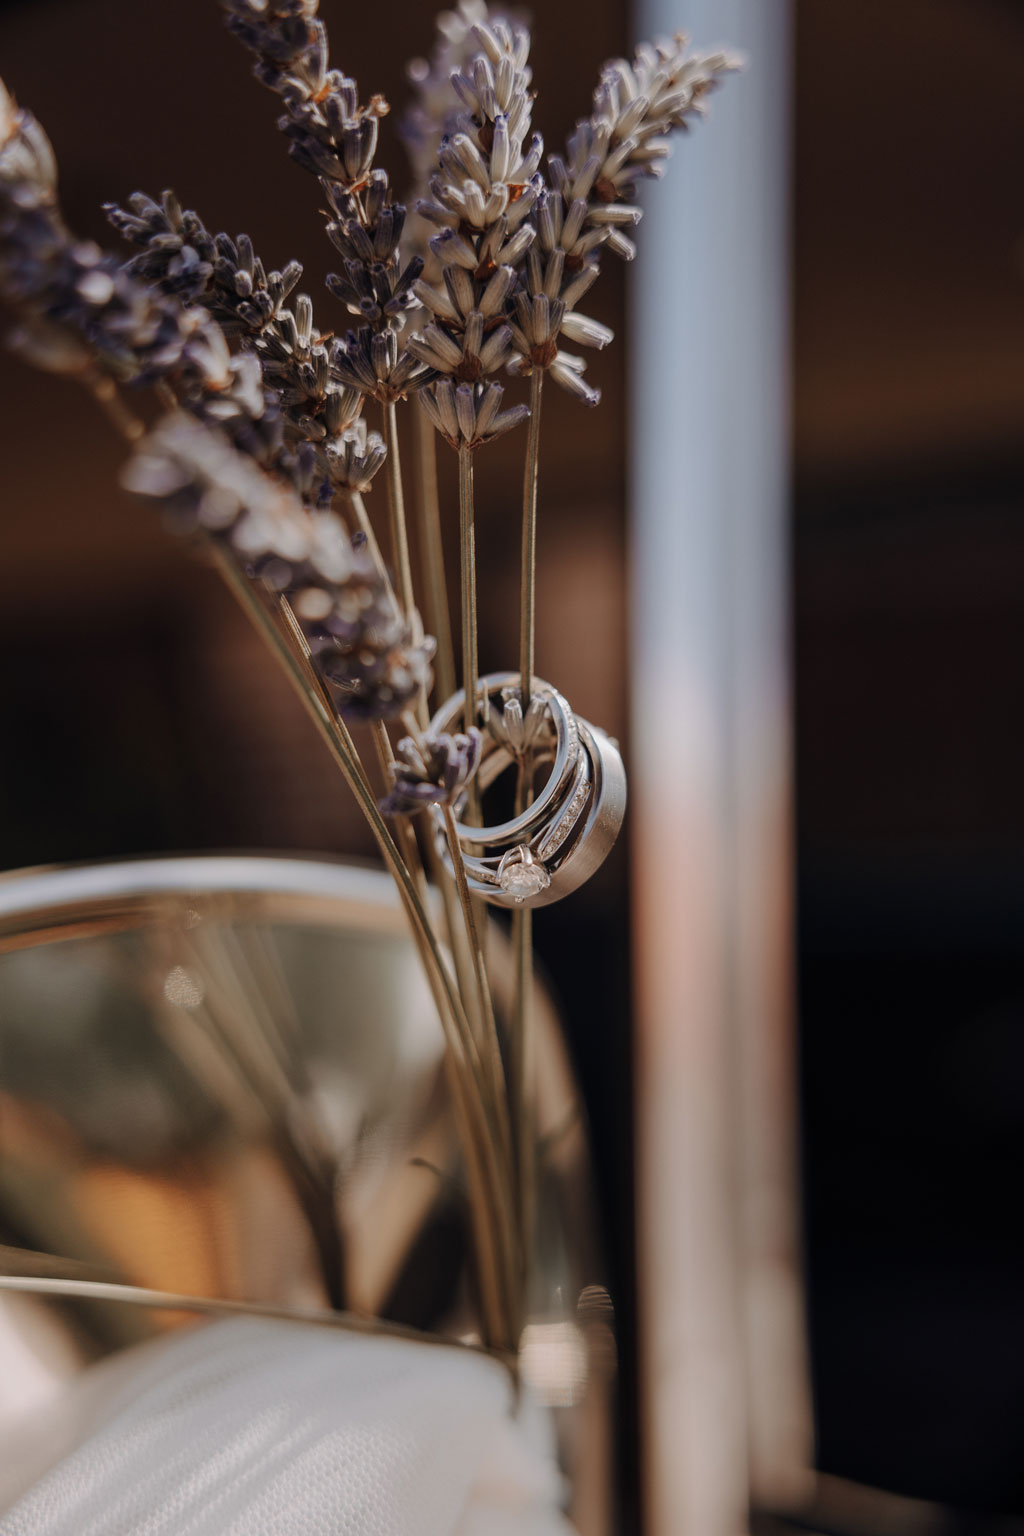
(183, 988)
(553, 1358)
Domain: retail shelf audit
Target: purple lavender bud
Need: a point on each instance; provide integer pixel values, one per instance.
(431, 770)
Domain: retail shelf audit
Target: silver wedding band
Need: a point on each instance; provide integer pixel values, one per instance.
(559, 841)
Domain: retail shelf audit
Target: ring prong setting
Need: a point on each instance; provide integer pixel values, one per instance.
(521, 876)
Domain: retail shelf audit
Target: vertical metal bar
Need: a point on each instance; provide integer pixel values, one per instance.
(724, 1405)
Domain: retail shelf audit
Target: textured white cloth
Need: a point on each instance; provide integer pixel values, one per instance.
(260, 1428)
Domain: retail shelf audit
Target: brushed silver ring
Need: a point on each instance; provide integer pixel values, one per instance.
(555, 857)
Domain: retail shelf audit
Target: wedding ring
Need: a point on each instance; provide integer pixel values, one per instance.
(560, 744)
(566, 833)
(523, 869)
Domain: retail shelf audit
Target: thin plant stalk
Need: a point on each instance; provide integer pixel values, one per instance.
(380, 829)
(492, 1051)
(385, 754)
(404, 834)
(521, 1045)
(467, 584)
(396, 508)
(528, 572)
(362, 518)
(455, 931)
(521, 1059)
(494, 1227)
(432, 545)
(521, 1075)
(514, 1266)
(493, 1220)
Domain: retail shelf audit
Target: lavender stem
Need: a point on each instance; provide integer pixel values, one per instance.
(396, 507)
(521, 1052)
(438, 615)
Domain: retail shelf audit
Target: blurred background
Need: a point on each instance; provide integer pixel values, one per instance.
(139, 714)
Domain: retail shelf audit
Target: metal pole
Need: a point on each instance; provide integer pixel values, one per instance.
(724, 1407)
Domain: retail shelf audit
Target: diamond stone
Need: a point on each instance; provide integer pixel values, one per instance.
(521, 877)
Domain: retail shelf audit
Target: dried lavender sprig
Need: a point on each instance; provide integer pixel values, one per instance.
(455, 260)
(433, 115)
(485, 186)
(375, 285)
(625, 139)
(356, 634)
(487, 166)
(334, 137)
(226, 276)
(180, 256)
(483, 181)
(431, 770)
(432, 118)
(356, 629)
(481, 196)
(543, 314)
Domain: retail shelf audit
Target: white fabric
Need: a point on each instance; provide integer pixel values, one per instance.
(259, 1428)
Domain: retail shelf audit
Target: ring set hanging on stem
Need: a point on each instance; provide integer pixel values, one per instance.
(560, 839)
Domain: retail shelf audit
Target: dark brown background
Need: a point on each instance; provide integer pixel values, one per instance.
(138, 714)
(909, 623)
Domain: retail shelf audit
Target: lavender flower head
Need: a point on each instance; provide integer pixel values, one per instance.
(433, 115)
(322, 445)
(334, 137)
(625, 139)
(436, 106)
(180, 256)
(469, 415)
(431, 770)
(331, 134)
(484, 186)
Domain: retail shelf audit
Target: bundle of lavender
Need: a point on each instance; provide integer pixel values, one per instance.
(259, 435)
